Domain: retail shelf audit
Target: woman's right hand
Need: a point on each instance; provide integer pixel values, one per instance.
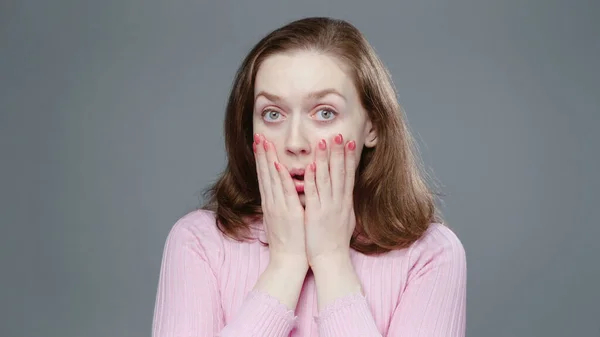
(283, 219)
(283, 214)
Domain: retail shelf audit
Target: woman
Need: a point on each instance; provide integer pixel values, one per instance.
(321, 224)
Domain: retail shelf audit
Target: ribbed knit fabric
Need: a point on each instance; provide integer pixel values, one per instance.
(206, 281)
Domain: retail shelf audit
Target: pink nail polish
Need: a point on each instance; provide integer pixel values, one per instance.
(338, 139)
(322, 144)
(352, 145)
(266, 145)
(277, 167)
(256, 138)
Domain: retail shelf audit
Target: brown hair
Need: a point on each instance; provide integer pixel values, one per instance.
(392, 202)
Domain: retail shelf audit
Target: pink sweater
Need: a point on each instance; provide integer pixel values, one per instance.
(206, 281)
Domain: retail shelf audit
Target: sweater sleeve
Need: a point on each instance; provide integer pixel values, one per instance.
(434, 301)
(188, 302)
(432, 304)
(348, 316)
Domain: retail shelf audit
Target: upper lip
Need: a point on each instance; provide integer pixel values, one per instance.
(297, 172)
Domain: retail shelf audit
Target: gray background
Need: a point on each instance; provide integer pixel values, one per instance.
(111, 123)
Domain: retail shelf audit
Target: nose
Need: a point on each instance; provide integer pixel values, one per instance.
(296, 140)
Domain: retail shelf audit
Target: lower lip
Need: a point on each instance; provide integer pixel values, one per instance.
(299, 185)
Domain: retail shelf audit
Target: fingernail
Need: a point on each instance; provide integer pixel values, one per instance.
(322, 144)
(266, 145)
(313, 166)
(352, 145)
(338, 139)
(277, 167)
(256, 138)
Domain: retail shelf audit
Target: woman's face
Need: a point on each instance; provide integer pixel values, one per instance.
(303, 97)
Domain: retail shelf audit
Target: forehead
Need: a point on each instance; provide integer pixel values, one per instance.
(301, 72)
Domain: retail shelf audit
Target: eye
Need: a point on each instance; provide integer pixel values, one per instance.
(326, 114)
(271, 115)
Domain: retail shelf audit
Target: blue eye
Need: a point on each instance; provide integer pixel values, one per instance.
(326, 114)
(271, 115)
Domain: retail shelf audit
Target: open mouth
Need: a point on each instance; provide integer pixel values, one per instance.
(298, 182)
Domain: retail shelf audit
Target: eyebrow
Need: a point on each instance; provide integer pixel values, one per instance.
(312, 95)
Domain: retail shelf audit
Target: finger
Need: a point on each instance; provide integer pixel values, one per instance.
(311, 194)
(263, 172)
(350, 163)
(276, 188)
(337, 167)
(287, 184)
(323, 181)
(258, 175)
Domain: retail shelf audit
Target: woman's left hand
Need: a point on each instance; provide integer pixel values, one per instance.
(329, 209)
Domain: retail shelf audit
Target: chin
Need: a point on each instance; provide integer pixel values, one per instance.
(302, 199)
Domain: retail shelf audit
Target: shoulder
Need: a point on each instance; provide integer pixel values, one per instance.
(438, 237)
(196, 230)
(199, 223)
(438, 247)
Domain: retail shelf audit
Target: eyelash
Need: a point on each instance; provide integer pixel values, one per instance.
(334, 112)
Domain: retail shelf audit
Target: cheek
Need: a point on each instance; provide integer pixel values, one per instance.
(360, 147)
(279, 149)
(275, 138)
(257, 125)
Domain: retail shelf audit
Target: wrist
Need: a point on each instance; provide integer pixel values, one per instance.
(331, 261)
(283, 279)
(288, 262)
(335, 278)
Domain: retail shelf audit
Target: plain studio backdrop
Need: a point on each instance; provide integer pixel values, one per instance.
(111, 124)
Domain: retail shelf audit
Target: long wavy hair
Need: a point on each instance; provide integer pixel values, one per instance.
(393, 203)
